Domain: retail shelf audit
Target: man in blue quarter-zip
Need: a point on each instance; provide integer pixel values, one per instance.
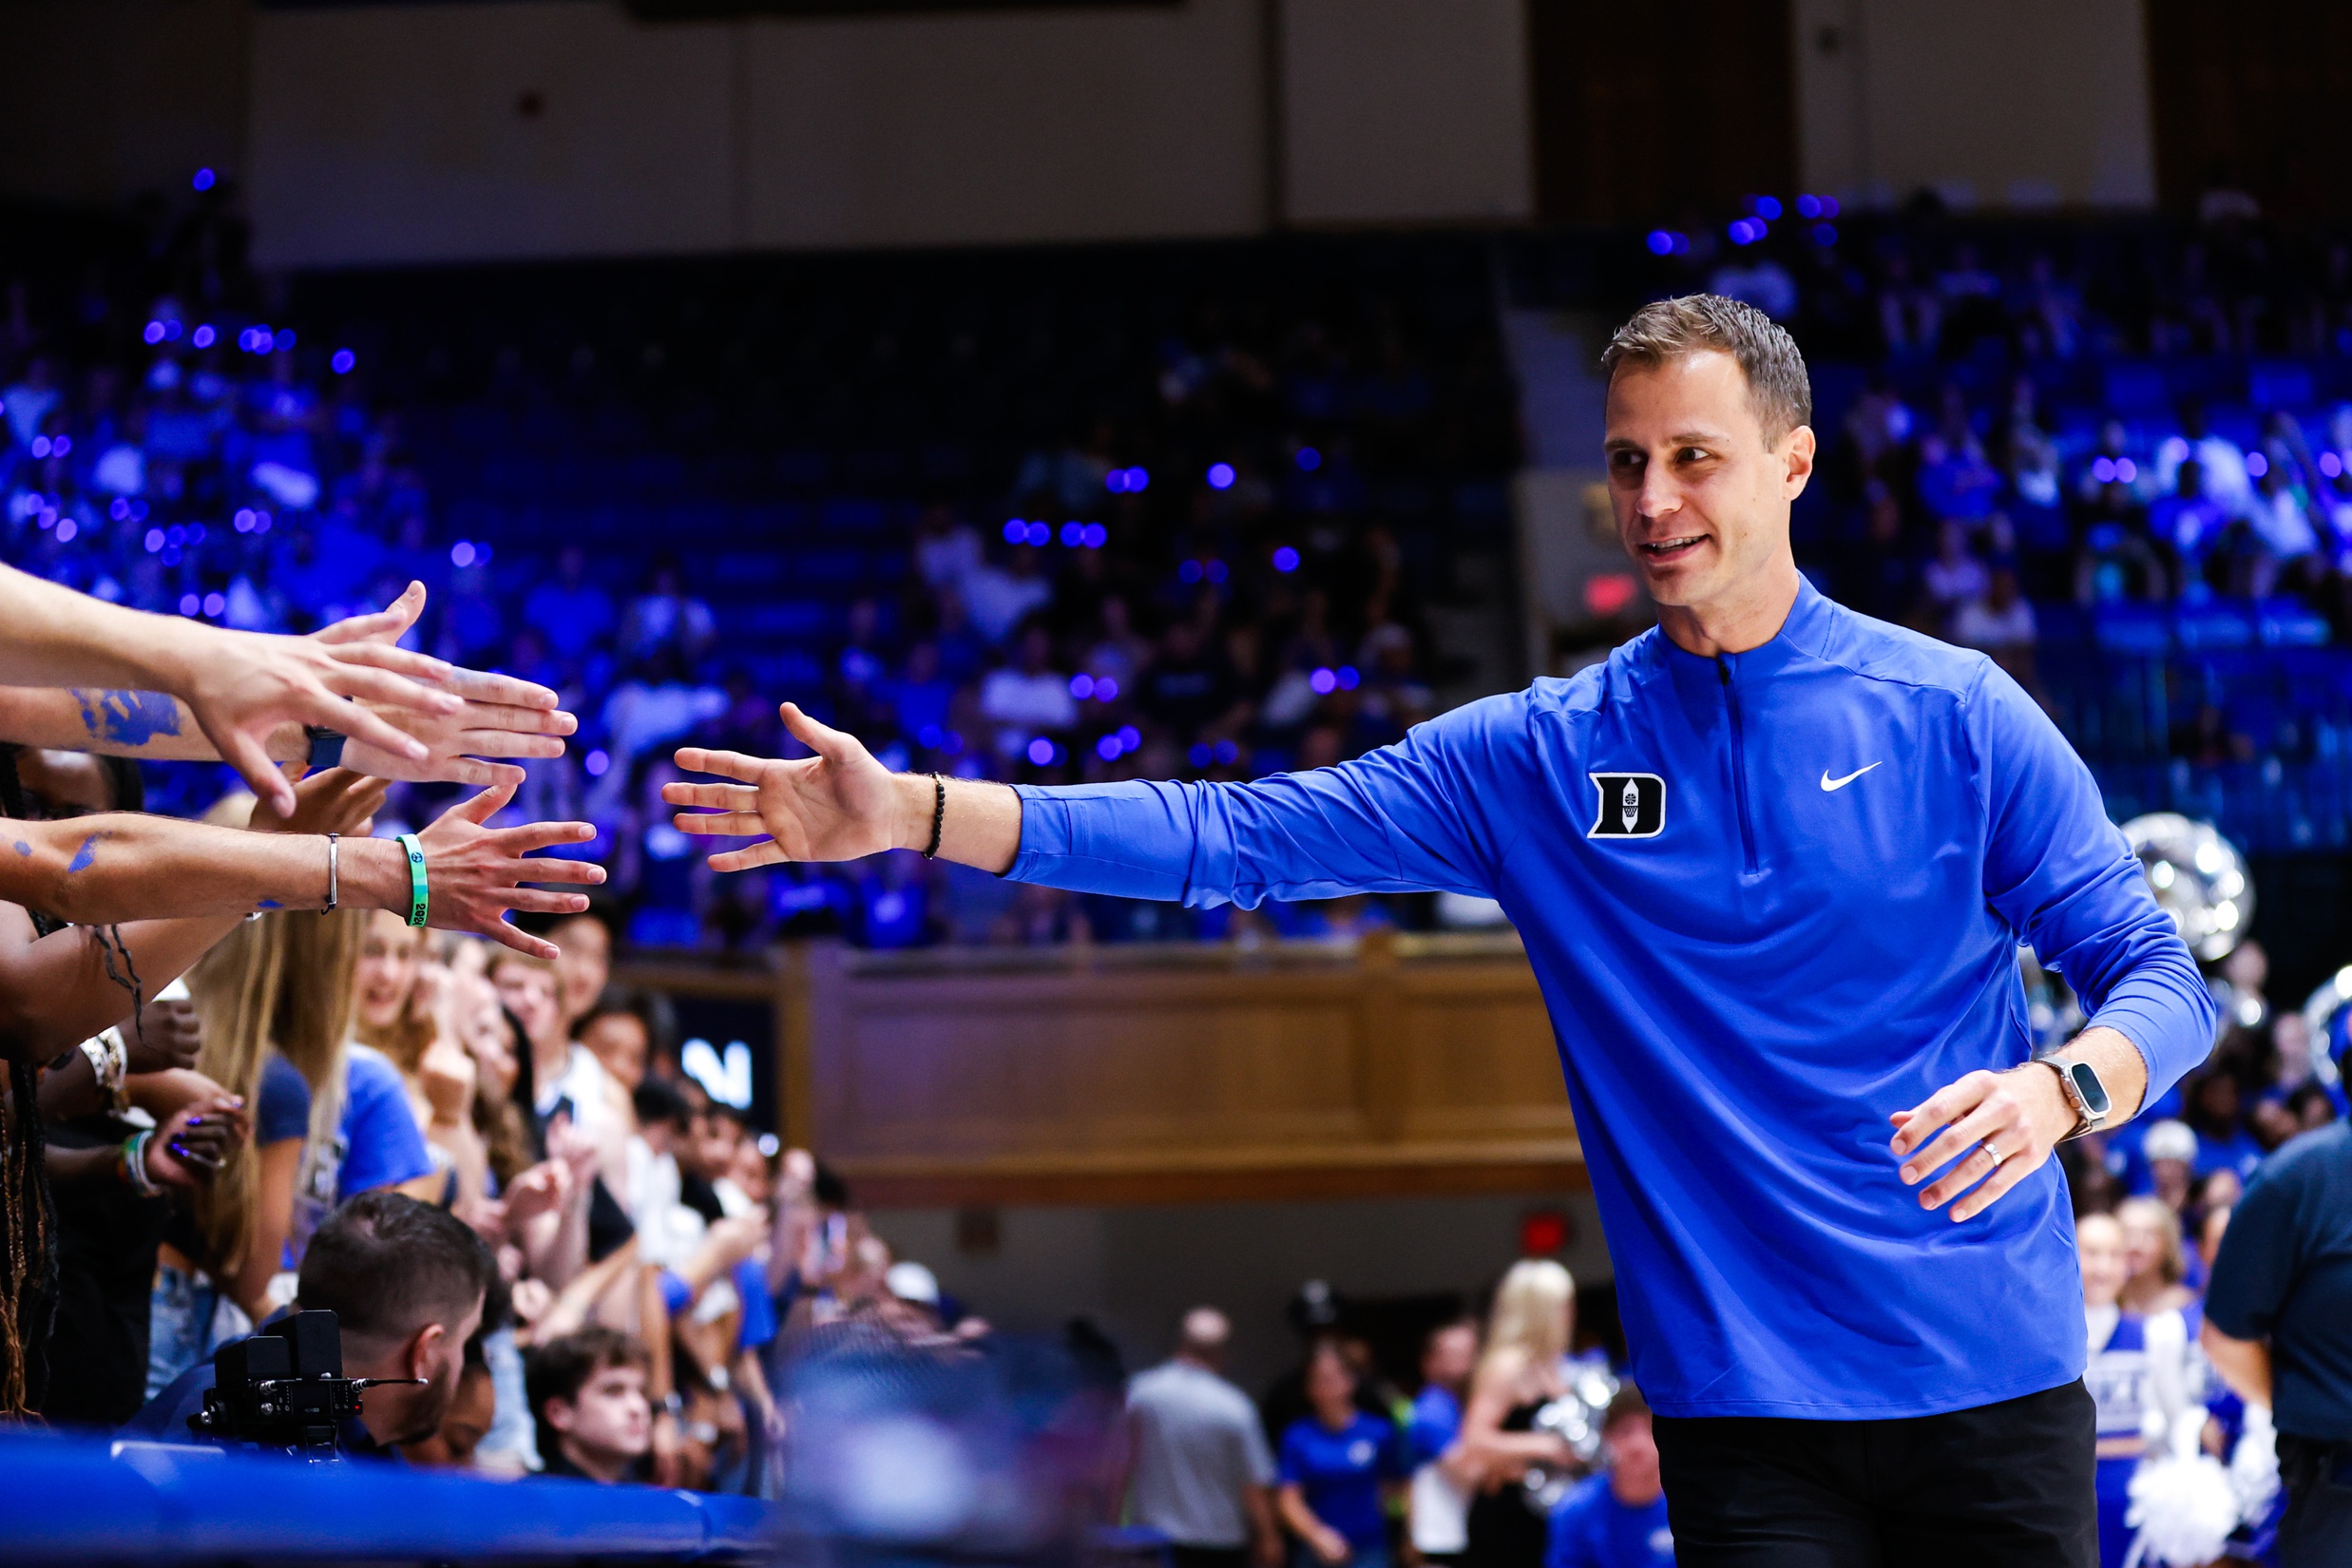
(1772, 862)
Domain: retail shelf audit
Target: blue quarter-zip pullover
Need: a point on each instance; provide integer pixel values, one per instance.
(1770, 898)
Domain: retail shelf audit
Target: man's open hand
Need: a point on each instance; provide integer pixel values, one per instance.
(838, 805)
(1998, 1126)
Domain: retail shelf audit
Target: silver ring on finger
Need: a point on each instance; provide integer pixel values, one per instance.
(1997, 1156)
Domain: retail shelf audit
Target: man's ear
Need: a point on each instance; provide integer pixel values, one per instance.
(421, 1349)
(1797, 454)
(558, 1414)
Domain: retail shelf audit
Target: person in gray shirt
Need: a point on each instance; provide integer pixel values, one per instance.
(1198, 1470)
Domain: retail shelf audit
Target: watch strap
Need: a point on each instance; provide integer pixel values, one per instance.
(326, 746)
(2086, 1120)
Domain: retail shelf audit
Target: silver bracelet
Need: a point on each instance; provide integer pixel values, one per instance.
(109, 1061)
(334, 841)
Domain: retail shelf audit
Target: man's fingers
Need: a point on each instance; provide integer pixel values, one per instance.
(540, 835)
(481, 808)
(723, 797)
(768, 852)
(1952, 1100)
(387, 624)
(508, 743)
(2012, 1170)
(826, 741)
(522, 718)
(355, 721)
(584, 873)
(253, 764)
(545, 900)
(503, 931)
(1973, 1168)
(1964, 1134)
(696, 759)
(720, 823)
(508, 690)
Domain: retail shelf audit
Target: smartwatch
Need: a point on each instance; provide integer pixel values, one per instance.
(326, 746)
(2080, 1083)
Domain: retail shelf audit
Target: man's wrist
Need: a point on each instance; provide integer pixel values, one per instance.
(913, 800)
(374, 875)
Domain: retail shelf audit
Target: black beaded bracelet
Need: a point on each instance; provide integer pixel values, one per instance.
(939, 815)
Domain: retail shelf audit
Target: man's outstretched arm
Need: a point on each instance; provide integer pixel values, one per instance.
(1391, 821)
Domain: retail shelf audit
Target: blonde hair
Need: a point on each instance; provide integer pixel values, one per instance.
(407, 1038)
(2172, 1263)
(282, 983)
(1533, 1309)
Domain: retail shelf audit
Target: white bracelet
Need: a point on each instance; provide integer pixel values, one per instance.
(333, 841)
(135, 1163)
(110, 1061)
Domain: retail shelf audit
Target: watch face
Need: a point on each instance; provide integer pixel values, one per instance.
(2087, 1084)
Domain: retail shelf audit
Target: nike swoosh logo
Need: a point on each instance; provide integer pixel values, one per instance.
(1828, 783)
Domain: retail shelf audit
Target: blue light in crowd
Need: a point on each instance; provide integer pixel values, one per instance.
(1040, 533)
(2257, 465)
(189, 603)
(2103, 469)
(1082, 686)
(154, 333)
(66, 528)
(118, 508)
(243, 521)
(1828, 206)
(1199, 756)
(175, 535)
(1220, 476)
(1661, 243)
(1094, 536)
(343, 361)
(1106, 690)
(1015, 532)
(202, 337)
(1126, 481)
(1130, 738)
(1225, 750)
(260, 521)
(1188, 571)
(1286, 559)
(1041, 752)
(1108, 748)
(205, 179)
(1765, 207)
(1809, 206)
(2126, 469)
(1216, 571)
(1825, 234)
(41, 446)
(285, 339)
(461, 553)
(154, 541)
(214, 604)
(2330, 464)
(196, 533)
(598, 763)
(1308, 460)
(929, 737)
(59, 446)
(1323, 681)
(1747, 231)
(1347, 678)
(1072, 534)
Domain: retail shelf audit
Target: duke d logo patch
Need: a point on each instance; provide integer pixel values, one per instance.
(1632, 806)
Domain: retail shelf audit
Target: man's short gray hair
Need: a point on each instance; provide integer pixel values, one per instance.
(1702, 323)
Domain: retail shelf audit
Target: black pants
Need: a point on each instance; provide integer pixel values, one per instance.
(2010, 1483)
(1208, 1556)
(2317, 1531)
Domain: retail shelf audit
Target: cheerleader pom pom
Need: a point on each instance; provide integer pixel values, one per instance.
(2183, 1510)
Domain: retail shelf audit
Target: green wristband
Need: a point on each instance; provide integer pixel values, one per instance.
(419, 899)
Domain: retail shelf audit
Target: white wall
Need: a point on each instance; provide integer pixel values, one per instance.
(391, 133)
(1134, 1269)
(1997, 103)
(1398, 110)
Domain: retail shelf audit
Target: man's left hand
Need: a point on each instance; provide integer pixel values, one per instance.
(1998, 1126)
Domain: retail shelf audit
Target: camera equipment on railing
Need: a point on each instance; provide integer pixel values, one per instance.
(284, 1388)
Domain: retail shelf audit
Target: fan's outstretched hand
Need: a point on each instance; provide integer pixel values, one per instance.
(837, 805)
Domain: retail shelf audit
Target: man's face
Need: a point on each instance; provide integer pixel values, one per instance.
(1451, 1357)
(405, 1412)
(611, 1419)
(1701, 498)
(529, 992)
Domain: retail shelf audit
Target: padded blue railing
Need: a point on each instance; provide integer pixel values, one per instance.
(69, 1500)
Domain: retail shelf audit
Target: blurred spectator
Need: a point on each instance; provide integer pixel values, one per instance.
(1438, 1505)
(1616, 1518)
(587, 1394)
(1198, 1471)
(1339, 1465)
(1527, 1337)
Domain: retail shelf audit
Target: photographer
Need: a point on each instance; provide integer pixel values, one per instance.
(406, 1281)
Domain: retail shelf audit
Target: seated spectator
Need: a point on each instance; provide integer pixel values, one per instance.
(2171, 1151)
(1339, 1465)
(587, 1394)
(1028, 697)
(668, 619)
(2154, 1263)
(1955, 576)
(1438, 1504)
(406, 1282)
(1616, 1518)
(1998, 621)
(2221, 464)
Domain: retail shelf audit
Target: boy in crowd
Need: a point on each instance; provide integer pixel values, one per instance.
(1616, 1518)
(587, 1394)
